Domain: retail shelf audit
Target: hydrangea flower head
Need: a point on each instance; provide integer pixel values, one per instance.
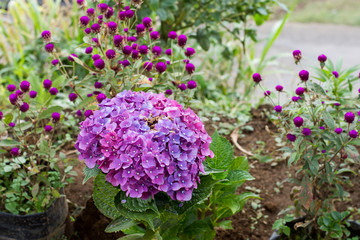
(146, 144)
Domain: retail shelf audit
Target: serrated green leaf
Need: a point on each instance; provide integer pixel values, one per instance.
(226, 224)
(135, 236)
(120, 224)
(239, 176)
(223, 153)
(47, 113)
(104, 197)
(240, 163)
(90, 172)
(135, 204)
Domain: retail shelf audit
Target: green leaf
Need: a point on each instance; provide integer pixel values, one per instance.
(162, 14)
(136, 236)
(90, 172)
(154, 5)
(223, 153)
(225, 224)
(8, 118)
(317, 88)
(104, 196)
(9, 143)
(203, 39)
(47, 113)
(135, 204)
(239, 176)
(120, 224)
(240, 163)
(329, 121)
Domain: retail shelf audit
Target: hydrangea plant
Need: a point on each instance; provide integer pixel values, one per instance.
(321, 127)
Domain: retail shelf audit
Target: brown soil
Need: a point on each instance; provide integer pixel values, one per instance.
(253, 222)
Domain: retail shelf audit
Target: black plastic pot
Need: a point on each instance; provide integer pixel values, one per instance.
(354, 229)
(48, 225)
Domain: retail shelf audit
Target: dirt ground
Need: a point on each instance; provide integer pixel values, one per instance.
(253, 222)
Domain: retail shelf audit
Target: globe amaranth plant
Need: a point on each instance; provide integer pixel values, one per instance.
(30, 178)
(322, 134)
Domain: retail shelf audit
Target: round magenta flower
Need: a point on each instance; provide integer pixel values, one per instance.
(125, 63)
(323, 151)
(182, 86)
(99, 64)
(122, 15)
(127, 50)
(182, 39)
(112, 26)
(189, 52)
(90, 12)
(322, 127)
(48, 128)
(53, 91)
(156, 50)
(95, 28)
(349, 117)
(70, 58)
(338, 130)
(190, 68)
(168, 52)
(279, 88)
(87, 30)
(148, 66)
(84, 21)
(256, 77)
(143, 49)
(118, 41)
(19, 92)
(129, 13)
(101, 97)
(12, 124)
(79, 113)
(132, 39)
(25, 86)
(88, 113)
(297, 55)
(191, 84)
(150, 79)
(13, 98)
(11, 87)
(32, 94)
(49, 47)
(306, 131)
(160, 67)
(88, 50)
(267, 93)
(55, 62)
(172, 35)
(336, 74)
(95, 57)
(72, 97)
(98, 85)
(89, 95)
(168, 92)
(147, 22)
(154, 35)
(109, 13)
(140, 29)
(95, 40)
(46, 36)
(300, 91)
(24, 107)
(110, 54)
(278, 108)
(15, 152)
(353, 134)
(298, 121)
(55, 116)
(47, 84)
(135, 54)
(102, 7)
(337, 104)
(322, 58)
(304, 75)
(291, 137)
(1, 115)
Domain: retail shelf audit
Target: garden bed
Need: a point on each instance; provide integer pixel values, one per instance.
(256, 219)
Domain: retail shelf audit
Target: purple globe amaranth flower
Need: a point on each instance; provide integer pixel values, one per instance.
(99, 64)
(88, 50)
(336, 74)
(154, 35)
(32, 94)
(140, 29)
(156, 50)
(256, 77)
(46, 36)
(55, 116)
(84, 21)
(143, 49)
(189, 52)
(125, 63)
(12, 124)
(109, 13)
(353, 134)
(102, 7)
(304, 75)
(306, 131)
(81, 3)
(53, 91)
(190, 68)
(160, 67)
(338, 130)
(298, 121)
(1, 115)
(95, 57)
(267, 93)
(135, 46)
(291, 137)
(11, 87)
(95, 28)
(358, 113)
(147, 22)
(168, 92)
(182, 87)
(70, 57)
(89, 95)
(172, 35)
(140, 156)
(90, 12)
(87, 30)
(132, 39)
(349, 117)
(186, 61)
(98, 85)
(182, 39)
(110, 54)
(122, 15)
(15, 152)
(95, 40)
(297, 56)
(25, 86)
(24, 107)
(129, 13)
(55, 62)
(322, 127)
(127, 50)
(168, 62)
(150, 79)
(135, 54)
(278, 108)
(279, 88)
(168, 52)
(322, 58)
(323, 151)
(112, 27)
(337, 104)
(88, 113)
(47, 84)
(48, 128)
(49, 47)
(300, 91)
(191, 84)
(72, 97)
(79, 113)
(19, 92)
(101, 97)
(148, 66)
